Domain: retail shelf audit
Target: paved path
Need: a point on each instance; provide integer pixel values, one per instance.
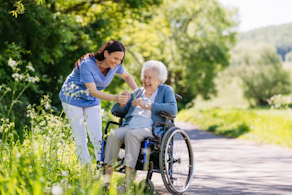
(234, 166)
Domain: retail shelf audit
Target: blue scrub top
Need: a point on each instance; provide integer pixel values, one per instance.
(74, 91)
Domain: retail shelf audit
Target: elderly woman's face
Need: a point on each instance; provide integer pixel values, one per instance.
(150, 81)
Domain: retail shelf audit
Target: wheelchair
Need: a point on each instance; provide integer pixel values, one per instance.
(171, 155)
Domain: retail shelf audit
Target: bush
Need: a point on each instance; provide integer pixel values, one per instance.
(261, 72)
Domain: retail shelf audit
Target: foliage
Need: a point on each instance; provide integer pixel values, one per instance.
(20, 7)
(191, 37)
(43, 163)
(260, 70)
(47, 36)
(12, 102)
(279, 36)
(57, 33)
(259, 125)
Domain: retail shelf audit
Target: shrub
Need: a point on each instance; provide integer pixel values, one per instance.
(261, 72)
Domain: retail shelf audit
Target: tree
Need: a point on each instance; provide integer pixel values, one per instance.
(53, 36)
(59, 32)
(260, 70)
(192, 37)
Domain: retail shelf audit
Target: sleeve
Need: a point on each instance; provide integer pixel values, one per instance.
(169, 105)
(85, 73)
(120, 69)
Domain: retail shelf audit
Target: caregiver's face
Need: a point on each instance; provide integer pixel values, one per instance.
(113, 59)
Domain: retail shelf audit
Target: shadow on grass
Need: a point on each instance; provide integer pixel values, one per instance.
(234, 132)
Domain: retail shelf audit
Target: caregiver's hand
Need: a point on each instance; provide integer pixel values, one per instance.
(124, 98)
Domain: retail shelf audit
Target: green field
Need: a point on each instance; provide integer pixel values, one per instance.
(230, 95)
(262, 126)
(229, 114)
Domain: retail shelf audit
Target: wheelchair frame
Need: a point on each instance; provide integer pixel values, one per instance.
(162, 146)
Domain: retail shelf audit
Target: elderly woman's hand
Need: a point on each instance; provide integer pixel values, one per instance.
(138, 102)
(123, 101)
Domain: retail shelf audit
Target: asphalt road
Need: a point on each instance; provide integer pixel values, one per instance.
(234, 166)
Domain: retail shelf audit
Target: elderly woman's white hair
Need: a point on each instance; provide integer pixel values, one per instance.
(157, 66)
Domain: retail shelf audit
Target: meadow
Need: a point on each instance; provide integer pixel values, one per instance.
(229, 114)
(45, 162)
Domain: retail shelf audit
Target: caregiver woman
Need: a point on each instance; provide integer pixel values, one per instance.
(81, 94)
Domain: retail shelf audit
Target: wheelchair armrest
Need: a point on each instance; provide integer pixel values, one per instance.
(119, 114)
(166, 115)
(157, 137)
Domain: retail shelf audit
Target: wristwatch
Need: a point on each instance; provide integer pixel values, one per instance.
(146, 106)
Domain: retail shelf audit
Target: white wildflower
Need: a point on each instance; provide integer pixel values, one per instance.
(42, 179)
(65, 173)
(42, 123)
(12, 63)
(17, 76)
(57, 190)
(32, 79)
(30, 67)
(47, 105)
(81, 121)
(79, 19)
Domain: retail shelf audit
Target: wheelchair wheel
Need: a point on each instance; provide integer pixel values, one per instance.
(148, 186)
(176, 161)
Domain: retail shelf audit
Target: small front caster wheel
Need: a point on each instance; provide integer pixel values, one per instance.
(147, 185)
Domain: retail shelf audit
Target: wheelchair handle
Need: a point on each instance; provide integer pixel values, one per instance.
(178, 97)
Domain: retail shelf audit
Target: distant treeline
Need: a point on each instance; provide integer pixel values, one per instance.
(280, 36)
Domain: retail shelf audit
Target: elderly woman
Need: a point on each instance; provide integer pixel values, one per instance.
(141, 111)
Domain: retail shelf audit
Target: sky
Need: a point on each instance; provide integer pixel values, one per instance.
(260, 13)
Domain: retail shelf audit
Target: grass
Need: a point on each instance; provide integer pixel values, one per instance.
(229, 114)
(46, 162)
(263, 126)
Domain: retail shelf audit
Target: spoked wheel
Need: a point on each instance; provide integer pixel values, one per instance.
(176, 161)
(148, 186)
